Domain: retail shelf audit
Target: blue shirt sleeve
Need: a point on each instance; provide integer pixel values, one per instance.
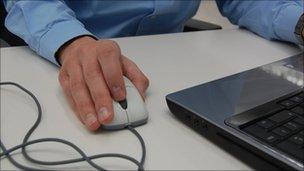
(270, 19)
(43, 25)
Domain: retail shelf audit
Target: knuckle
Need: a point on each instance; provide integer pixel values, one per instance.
(108, 52)
(130, 70)
(131, 67)
(111, 43)
(145, 81)
(62, 78)
(109, 47)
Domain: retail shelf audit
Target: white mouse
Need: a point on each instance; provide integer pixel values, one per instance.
(135, 113)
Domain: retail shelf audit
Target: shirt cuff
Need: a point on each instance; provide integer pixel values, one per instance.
(286, 22)
(57, 35)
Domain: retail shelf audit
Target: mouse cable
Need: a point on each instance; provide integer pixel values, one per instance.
(7, 152)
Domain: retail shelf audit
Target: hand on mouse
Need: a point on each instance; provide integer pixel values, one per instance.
(91, 76)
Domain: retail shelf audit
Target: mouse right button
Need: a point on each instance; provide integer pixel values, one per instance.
(136, 111)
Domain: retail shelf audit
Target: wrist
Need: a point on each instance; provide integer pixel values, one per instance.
(72, 44)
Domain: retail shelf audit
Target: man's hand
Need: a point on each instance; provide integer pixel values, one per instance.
(92, 76)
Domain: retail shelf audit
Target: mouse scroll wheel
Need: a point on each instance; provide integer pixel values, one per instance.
(123, 104)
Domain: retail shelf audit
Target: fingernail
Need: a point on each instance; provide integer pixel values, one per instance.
(117, 91)
(103, 114)
(90, 119)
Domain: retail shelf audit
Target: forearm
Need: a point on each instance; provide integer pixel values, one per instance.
(270, 19)
(44, 25)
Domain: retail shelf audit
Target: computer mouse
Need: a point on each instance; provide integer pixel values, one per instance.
(130, 112)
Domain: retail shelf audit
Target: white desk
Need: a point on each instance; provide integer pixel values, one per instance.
(172, 62)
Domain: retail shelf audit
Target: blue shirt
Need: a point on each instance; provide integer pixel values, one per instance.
(46, 25)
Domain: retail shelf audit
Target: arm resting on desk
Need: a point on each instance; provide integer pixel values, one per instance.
(40, 23)
(270, 19)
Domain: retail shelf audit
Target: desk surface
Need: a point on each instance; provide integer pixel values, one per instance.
(172, 62)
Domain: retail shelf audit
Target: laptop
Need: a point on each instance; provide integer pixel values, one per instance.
(261, 110)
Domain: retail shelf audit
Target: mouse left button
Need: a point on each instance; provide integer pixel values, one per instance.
(120, 119)
(137, 111)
